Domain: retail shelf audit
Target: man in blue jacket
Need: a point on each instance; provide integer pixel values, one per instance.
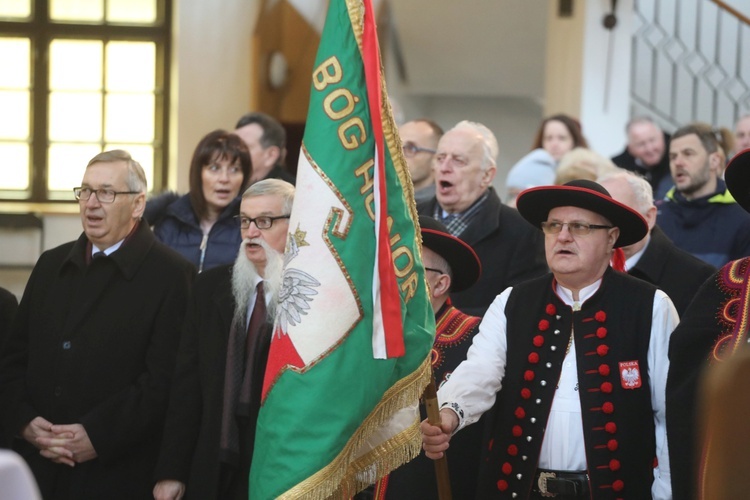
(700, 215)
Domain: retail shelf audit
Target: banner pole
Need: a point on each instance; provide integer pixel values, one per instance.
(441, 465)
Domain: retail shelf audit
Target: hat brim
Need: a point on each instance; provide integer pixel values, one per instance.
(464, 262)
(534, 205)
(737, 177)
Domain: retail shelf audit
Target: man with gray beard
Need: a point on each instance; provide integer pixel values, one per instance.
(215, 398)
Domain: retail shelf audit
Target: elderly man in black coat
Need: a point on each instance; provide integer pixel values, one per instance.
(86, 372)
(510, 249)
(210, 428)
(655, 258)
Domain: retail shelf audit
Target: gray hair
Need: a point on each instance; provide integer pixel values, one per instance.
(637, 120)
(642, 190)
(275, 187)
(136, 176)
(489, 142)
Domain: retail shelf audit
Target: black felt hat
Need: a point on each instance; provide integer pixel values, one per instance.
(737, 177)
(534, 204)
(460, 256)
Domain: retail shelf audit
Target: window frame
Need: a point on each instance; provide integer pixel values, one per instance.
(40, 30)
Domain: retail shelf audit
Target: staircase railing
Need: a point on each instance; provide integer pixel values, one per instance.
(690, 62)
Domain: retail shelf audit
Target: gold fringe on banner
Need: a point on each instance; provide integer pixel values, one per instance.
(345, 475)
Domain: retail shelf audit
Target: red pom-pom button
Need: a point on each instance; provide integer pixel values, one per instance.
(533, 358)
(538, 341)
(550, 309)
(604, 370)
(612, 445)
(618, 485)
(600, 316)
(512, 450)
(614, 464)
(502, 485)
(606, 387)
(610, 427)
(543, 325)
(608, 407)
(507, 468)
(520, 413)
(525, 393)
(528, 375)
(602, 350)
(601, 332)
(517, 431)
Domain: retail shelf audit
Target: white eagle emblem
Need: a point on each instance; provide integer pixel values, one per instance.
(297, 291)
(630, 374)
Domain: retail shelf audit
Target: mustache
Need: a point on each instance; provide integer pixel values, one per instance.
(256, 241)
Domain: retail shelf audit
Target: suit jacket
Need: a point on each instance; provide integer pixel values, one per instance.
(8, 306)
(190, 449)
(95, 344)
(511, 250)
(676, 272)
(279, 172)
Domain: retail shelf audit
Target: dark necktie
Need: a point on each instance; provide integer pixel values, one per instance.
(257, 317)
(98, 255)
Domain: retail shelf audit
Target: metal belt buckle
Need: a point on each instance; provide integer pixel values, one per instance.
(542, 483)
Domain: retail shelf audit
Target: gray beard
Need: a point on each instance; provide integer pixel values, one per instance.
(244, 274)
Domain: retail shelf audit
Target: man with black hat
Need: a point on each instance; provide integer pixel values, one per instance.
(581, 357)
(714, 328)
(451, 265)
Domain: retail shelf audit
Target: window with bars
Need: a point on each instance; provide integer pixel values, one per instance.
(78, 77)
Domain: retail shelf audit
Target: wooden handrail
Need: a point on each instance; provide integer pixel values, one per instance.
(736, 13)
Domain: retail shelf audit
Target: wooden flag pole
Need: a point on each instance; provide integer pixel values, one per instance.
(441, 465)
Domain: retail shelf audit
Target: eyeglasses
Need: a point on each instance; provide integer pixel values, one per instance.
(262, 222)
(103, 195)
(218, 169)
(575, 228)
(411, 149)
(439, 271)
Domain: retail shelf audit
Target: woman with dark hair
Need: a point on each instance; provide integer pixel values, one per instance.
(200, 225)
(556, 135)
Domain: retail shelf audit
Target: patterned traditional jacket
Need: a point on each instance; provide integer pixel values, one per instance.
(612, 333)
(416, 479)
(713, 329)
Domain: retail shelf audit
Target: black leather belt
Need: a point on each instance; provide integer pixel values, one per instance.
(565, 484)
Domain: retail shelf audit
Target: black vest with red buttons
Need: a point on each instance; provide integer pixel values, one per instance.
(612, 332)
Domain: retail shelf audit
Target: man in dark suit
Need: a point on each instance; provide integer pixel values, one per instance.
(655, 258)
(510, 249)
(210, 427)
(85, 377)
(266, 139)
(8, 306)
(647, 154)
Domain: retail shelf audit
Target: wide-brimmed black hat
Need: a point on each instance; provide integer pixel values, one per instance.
(535, 203)
(737, 177)
(460, 256)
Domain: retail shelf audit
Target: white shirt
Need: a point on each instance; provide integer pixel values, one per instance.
(474, 384)
(109, 251)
